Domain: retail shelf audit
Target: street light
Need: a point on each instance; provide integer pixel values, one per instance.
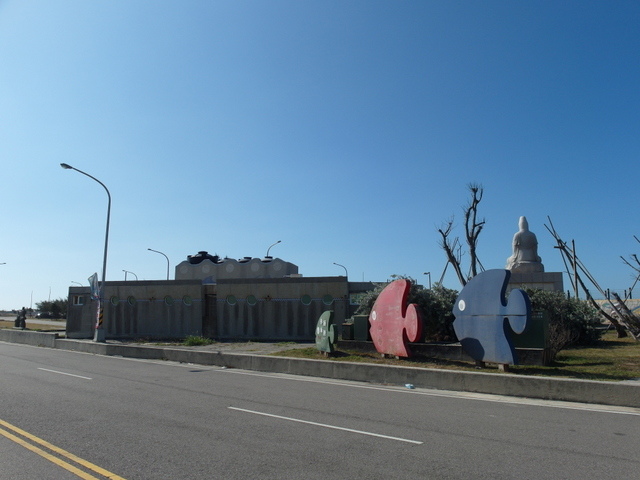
(267, 255)
(168, 264)
(77, 283)
(100, 333)
(428, 273)
(125, 275)
(346, 274)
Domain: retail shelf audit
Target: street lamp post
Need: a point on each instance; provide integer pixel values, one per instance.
(346, 274)
(168, 264)
(100, 332)
(267, 255)
(428, 273)
(125, 275)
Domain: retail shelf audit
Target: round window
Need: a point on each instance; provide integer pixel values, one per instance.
(114, 300)
(131, 300)
(168, 299)
(251, 300)
(305, 299)
(187, 300)
(327, 299)
(231, 299)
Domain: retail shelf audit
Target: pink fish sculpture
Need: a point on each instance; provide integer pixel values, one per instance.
(394, 323)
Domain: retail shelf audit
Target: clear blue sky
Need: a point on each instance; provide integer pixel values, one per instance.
(347, 129)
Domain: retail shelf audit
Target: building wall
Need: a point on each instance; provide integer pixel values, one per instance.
(158, 309)
(227, 268)
(285, 309)
(278, 309)
(81, 315)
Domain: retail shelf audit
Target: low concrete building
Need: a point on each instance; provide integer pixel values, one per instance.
(273, 308)
(256, 299)
(211, 268)
(154, 309)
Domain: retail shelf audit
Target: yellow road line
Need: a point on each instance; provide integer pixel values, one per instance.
(58, 450)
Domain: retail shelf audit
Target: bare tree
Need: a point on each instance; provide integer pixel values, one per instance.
(453, 250)
(635, 267)
(473, 227)
(621, 318)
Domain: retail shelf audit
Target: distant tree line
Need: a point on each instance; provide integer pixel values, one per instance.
(53, 308)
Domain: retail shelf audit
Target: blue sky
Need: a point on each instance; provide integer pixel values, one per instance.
(347, 129)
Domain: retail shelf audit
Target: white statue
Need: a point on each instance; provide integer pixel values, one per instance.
(525, 257)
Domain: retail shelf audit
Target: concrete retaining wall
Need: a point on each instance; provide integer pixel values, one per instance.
(39, 339)
(586, 391)
(453, 351)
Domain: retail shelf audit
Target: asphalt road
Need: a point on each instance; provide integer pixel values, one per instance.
(160, 420)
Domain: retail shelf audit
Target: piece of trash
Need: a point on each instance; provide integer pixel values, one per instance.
(409, 386)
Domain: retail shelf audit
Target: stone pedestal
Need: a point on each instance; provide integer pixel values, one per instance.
(551, 281)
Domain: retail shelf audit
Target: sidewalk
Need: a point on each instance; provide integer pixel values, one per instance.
(256, 356)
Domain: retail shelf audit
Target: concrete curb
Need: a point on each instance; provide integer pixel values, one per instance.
(26, 337)
(584, 391)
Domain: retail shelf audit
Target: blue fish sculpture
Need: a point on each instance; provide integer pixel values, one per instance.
(485, 320)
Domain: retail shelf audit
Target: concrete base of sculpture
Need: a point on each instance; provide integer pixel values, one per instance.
(526, 267)
(452, 351)
(550, 281)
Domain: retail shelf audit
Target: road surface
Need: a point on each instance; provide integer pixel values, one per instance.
(138, 419)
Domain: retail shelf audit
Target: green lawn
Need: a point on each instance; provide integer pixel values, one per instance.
(611, 359)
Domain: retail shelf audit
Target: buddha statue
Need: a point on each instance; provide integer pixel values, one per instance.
(525, 257)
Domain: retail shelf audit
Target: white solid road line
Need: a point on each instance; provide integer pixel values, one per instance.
(361, 432)
(483, 397)
(63, 373)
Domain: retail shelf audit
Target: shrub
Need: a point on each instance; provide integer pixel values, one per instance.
(571, 321)
(435, 306)
(369, 298)
(194, 341)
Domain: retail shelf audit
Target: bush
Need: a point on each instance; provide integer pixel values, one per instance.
(194, 341)
(435, 306)
(571, 321)
(369, 298)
